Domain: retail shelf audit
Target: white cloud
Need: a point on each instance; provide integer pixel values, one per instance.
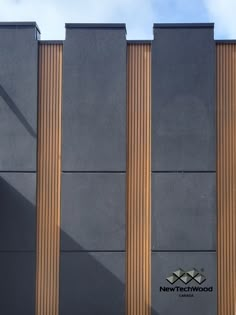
(51, 15)
(223, 13)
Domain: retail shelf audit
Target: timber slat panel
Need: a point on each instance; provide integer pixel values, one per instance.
(226, 176)
(138, 232)
(48, 179)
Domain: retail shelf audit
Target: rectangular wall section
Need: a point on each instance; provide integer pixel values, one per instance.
(49, 179)
(94, 99)
(18, 139)
(183, 98)
(182, 204)
(226, 184)
(92, 265)
(183, 170)
(18, 96)
(94, 218)
(138, 212)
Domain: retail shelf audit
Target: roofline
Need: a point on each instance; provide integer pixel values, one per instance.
(225, 41)
(20, 25)
(53, 42)
(183, 25)
(96, 25)
(139, 41)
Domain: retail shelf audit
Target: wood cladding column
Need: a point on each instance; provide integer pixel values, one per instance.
(226, 176)
(49, 179)
(138, 233)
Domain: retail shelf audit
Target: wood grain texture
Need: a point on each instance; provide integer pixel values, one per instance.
(226, 177)
(48, 179)
(138, 221)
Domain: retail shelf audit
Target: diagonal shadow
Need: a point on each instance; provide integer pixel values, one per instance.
(91, 283)
(17, 250)
(88, 286)
(16, 111)
(17, 214)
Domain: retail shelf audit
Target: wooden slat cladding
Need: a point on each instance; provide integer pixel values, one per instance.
(48, 179)
(226, 177)
(138, 221)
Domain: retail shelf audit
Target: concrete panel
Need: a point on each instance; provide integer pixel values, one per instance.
(17, 285)
(18, 211)
(184, 301)
(183, 99)
(18, 98)
(184, 204)
(94, 100)
(92, 283)
(93, 211)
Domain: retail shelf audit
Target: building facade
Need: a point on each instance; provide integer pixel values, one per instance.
(117, 171)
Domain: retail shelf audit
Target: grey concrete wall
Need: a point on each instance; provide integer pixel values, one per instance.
(183, 99)
(184, 204)
(183, 167)
(18, 97)
(93, 211)
(92, 283)
(92, 264)
(17, 286)
(94, 100)
(18, 140)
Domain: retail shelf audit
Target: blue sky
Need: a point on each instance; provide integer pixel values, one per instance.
(181, 11)
(139, 15)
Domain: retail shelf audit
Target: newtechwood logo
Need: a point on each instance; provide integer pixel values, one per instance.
(186, 277)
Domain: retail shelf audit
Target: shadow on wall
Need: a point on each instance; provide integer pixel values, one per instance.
(91, 283)
(16, 111)
(17, 244)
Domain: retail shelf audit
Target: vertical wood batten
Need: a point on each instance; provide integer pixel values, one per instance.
(138, 224)
(226, 176)
(48, 179)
